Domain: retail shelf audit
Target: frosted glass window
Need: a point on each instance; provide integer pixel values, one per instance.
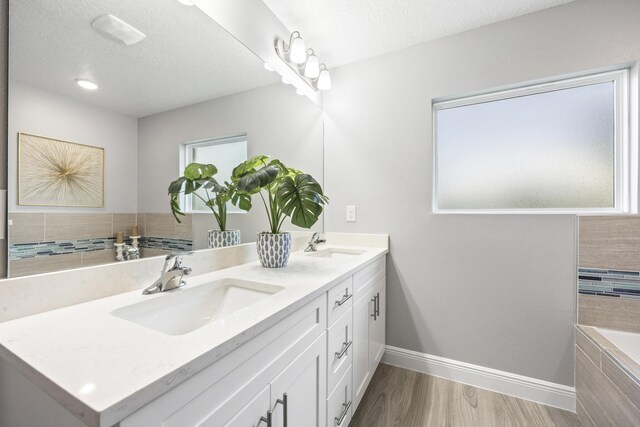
(225, 154)
(554, 148)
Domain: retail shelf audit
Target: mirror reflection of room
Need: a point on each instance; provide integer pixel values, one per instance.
(100, 123)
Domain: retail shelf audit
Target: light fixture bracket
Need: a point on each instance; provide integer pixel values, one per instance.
(283, 50)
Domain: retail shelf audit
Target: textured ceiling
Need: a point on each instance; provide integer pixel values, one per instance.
(343, 31)
(186, 58)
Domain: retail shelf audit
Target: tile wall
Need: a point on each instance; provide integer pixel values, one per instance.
(45, 242)
(607, 382)
(609, 272)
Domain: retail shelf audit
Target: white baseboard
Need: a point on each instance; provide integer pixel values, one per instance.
(547, 393)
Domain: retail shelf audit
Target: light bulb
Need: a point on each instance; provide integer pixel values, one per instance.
(324, 80)
(86, 84)
(297, 52)
(268, 67)
(299, 92)
(312, 66)
(285, 80)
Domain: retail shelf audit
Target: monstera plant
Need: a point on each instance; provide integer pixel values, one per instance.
(198, 181)
(285, 193)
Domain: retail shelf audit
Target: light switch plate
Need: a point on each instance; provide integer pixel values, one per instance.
(351, 214)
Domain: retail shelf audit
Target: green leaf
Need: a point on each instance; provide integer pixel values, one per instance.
(175, 207)
(195, 171)
(176, 186)
(301, 198)
(253, 181)
(248, 166)
(241, 200)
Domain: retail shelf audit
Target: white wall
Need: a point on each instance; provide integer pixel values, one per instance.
(277, 122)
(496, 291)
(40, 112)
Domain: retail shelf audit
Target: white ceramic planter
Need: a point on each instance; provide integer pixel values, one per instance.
(220, 239)
(273, 249)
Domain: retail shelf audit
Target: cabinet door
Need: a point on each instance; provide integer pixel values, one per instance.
(377, 326)
(362, 311)
(304, 382)
(248, 416)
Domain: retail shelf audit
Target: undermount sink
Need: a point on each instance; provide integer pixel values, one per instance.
(187, 309)
(336, 253)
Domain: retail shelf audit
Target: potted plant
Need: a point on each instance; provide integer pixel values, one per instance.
(285, 192)
(199, 176)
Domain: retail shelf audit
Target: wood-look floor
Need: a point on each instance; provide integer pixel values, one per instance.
(398, 397)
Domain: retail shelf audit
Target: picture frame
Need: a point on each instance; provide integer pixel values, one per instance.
(57, 173)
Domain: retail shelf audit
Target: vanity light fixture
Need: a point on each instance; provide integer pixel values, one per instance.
(324, 79)
(116, 29)
(312, 66)
(303, 62)
(86, 84)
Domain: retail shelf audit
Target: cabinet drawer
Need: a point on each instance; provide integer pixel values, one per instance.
(339, 408)
(339, 349)
(366, 278)
(340, 300)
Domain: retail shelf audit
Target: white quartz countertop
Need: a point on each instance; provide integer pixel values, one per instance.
(102, 368)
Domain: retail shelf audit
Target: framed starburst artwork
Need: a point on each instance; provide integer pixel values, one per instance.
(52, 172)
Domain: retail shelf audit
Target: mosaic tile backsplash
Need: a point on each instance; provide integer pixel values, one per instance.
(610, 283)
(19, 251)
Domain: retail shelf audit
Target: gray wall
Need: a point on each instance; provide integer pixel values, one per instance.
(497, 291)
(4, 70)
(277, 122)
(37, 111)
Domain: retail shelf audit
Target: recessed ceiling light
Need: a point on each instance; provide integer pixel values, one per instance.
(86, 84)
(186, 2)
(116, 29)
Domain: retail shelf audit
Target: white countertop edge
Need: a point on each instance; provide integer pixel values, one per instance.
(99, 417)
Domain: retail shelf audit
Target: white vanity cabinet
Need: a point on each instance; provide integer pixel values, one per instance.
(369, 316)
(356, 339)
(279, 374)
(308, 368)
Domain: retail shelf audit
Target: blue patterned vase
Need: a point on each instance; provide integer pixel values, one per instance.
(273, 249)
(220, 239)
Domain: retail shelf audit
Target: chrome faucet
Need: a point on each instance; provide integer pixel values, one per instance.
(130, 252)
(314, 242)
(171, 274)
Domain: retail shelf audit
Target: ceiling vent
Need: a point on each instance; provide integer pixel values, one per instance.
(116, 29)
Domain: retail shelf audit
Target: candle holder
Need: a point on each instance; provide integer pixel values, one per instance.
(134, 241)
(119, 247)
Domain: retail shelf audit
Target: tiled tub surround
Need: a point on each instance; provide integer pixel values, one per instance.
(609, 279)
(609, 299)
(607, 381)
(611, 283)
(46, 242)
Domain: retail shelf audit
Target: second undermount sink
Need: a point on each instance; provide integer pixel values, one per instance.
(336, 253)
(187, 309)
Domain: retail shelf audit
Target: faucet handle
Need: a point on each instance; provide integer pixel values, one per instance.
(174, 259)
(178, 254)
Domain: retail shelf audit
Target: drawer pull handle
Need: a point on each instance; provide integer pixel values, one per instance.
(378, 304)
(375, 311)
(267, 419)
(283, 402)
(345, 347)
(345, 409)
(344, 299)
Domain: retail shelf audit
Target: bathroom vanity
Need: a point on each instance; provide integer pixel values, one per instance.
(240, 346)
